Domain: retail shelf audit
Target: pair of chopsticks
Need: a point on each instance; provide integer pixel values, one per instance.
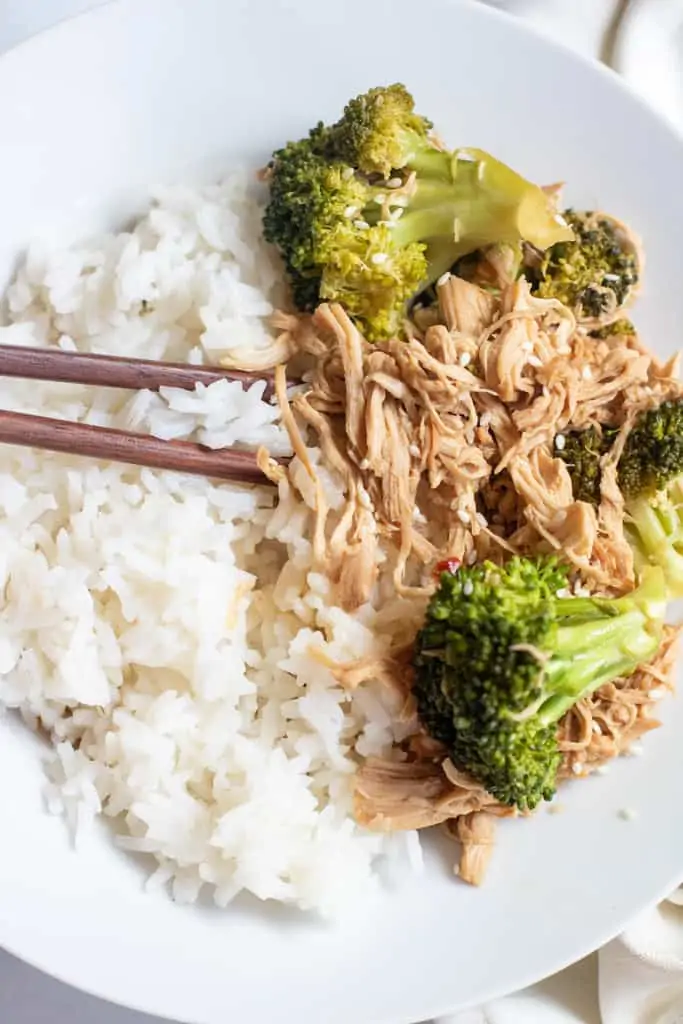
(112, 445)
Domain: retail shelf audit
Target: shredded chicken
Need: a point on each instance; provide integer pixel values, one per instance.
(476, 833)
(403, 795)
(284, 345)
(606, 724)
(465, 308)
(394, 670)
(443, 445)
(398, 425)
(423, 433)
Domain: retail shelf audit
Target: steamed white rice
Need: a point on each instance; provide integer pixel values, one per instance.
(160, 627)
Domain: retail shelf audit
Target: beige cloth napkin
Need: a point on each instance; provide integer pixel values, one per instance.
(640, 981)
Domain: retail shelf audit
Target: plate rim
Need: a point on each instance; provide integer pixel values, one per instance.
(100, 11)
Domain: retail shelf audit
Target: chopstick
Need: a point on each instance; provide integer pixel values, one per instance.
(122, 446)
(112, 445)
(115, 371)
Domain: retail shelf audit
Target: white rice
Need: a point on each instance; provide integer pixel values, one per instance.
(160, 626)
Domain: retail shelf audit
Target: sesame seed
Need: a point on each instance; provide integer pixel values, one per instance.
(627, 814)
(596, 729)
(397, 213)
(534, 361)
(444, 279)
(472, 557)
(414, 451)
(364, 465)
(526, 346)
(602, 769)
(394, 183)
(468, 588)
(560, 442)
(378, 258)
(399, 200)
(635, 750)
(658, 692)
(350, 211)
(380, 200)
(562, 592)
(463, 516)
(587, 373)
(465, 359)
(388, 223)
(362, 225)
(577, 768)
(347, 173)
(485, 419)
(481, 520)
(610, 277)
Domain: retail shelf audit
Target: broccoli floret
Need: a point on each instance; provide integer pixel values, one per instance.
(582, 452)
(617, 329)
(502, 655)
(309, 196)
(653, 453)
(380, 132)
(370, 211)
(594, 273)
(650, 475)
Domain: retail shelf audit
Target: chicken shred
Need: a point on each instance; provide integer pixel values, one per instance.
(442, 445)
(465, 307)
(404, 795)
(476, 833)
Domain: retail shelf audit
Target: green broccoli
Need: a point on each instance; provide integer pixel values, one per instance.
(650, 476)
(504, 652)
(594, 273)
(380, 133)
(370, 211)
(616, 329)
(582, 451)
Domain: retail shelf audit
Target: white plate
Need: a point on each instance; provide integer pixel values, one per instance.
(163, 89)
(648, 51)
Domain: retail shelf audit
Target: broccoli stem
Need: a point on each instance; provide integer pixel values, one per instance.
(590, 655)
(655, 530)
(430, 163)
(591, 652)
(470, 196)
(652, 528)
(419, 225)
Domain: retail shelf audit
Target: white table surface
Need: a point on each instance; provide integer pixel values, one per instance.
(29, 997)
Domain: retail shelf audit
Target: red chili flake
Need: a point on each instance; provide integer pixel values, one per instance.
(448, 565)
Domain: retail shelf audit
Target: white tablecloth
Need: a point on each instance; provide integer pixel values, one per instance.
(28, 997)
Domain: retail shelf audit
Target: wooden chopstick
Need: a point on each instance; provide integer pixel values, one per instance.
(115, 371)
(120, 445)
